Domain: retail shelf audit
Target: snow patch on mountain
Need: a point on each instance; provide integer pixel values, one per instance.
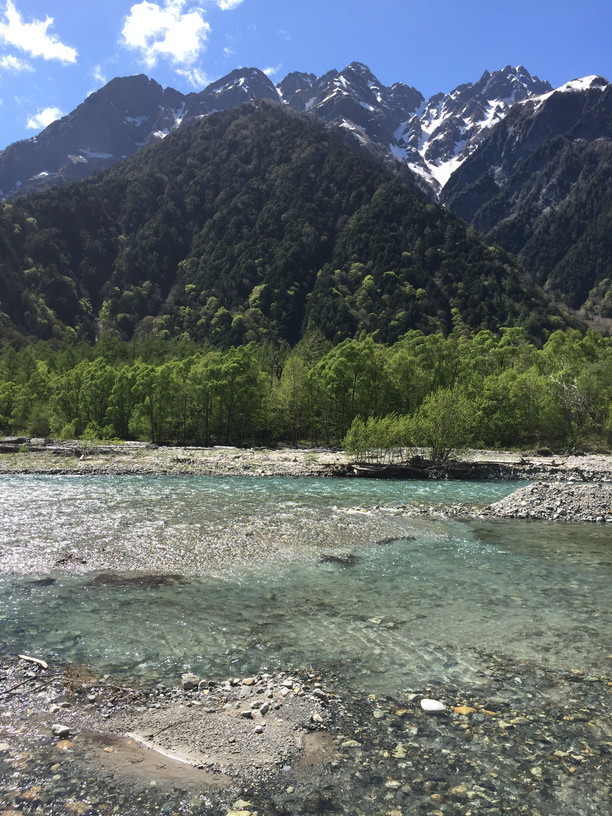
(92, 154)
(580, 85)
(584, 84)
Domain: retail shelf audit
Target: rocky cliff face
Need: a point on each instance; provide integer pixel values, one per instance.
(578, 112)
(450, 127)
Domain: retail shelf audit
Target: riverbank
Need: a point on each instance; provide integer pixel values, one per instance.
(557, 502)
(523, 741)
(40, 456)
(37, 456)
(568, 488)
(565, 501)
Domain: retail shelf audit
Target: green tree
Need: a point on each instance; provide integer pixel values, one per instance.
(444, 423)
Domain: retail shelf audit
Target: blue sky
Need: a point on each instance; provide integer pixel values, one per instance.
(53, 53)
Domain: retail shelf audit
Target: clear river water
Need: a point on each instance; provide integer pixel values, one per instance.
(290, 574)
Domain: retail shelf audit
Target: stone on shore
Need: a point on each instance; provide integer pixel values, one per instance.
(190, 681)
(557, 501)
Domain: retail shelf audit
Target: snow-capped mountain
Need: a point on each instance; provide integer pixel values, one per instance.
(579, 113)
(432, 138)
(113, 123)
(353, 99)
(541, 187)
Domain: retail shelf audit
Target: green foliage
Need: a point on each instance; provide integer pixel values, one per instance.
(444, 423)
(553, 211)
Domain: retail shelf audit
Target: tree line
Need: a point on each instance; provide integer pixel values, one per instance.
(483, 389)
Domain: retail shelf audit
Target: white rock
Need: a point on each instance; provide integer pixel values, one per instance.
(61, 731)
(432, 705)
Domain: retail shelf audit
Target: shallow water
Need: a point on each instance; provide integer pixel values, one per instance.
(422, 608)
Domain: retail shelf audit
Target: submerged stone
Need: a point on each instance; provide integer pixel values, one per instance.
(148, 580)
(340, 560)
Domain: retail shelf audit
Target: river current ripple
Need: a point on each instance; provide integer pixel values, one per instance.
(292, 573)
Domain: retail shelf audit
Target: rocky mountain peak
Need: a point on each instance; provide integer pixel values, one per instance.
(109, 125)
(436, 141)
(355, 101)
(241, 85)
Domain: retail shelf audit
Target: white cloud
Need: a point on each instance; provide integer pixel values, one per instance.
(43, 118)
(228, 4)
(33, 38)
(15, 64)
(99, 76)
(270, 71)
(195, 77)
(167, 31)
(228, 52)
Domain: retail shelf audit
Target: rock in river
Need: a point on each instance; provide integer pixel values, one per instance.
(433, 706)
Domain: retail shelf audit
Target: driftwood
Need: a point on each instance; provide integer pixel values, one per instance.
(36, 660)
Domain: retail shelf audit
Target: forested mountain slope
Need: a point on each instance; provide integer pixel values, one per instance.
(251, 224)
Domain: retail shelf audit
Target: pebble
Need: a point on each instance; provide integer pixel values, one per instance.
(464, 710)
(61, 731)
